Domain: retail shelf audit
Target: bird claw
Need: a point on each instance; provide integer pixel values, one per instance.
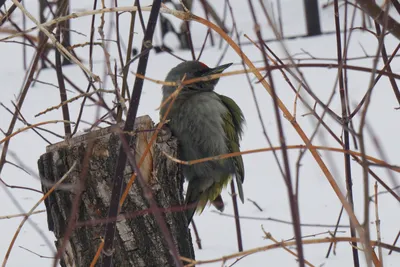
(164, 134)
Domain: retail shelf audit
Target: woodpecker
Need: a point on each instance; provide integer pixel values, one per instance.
(206, 124)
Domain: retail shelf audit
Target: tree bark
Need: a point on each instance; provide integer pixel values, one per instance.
(139, 241)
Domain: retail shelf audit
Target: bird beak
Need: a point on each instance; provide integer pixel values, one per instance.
(217, 70)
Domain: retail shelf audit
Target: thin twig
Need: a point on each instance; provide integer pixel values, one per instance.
(378, 223)
(9, 136)
(37, 254)
(334, 232)
(280, 221)
(259, 150)
(346, 136)
(122, 158)
(59, 46)
(270, 237)
(394, 242)
(287, 244)
(32, 210)
(255, 204)
(237, 217)
(196, 234)
(20, 187)
(20, 215)
(61, 84)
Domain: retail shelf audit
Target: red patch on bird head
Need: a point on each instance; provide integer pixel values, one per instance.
(204, 65)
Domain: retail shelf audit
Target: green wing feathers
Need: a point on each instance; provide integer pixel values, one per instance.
(198, 200)
(212, 193)
(233, 126)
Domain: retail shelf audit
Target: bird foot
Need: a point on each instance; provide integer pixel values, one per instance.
(164, 134)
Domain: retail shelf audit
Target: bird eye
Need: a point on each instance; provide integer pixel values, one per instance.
(199, 73)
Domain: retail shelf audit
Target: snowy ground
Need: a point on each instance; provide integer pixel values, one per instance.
(263, 182)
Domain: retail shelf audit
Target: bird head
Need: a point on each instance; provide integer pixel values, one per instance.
(193, 69)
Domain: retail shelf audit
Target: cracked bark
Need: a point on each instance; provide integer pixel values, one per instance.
(139, 241)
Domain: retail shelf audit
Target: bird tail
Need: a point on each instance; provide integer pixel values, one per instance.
(192, 204)
(218, 203)
(190, 211)
(191, 201)
(240, 188)
(197, 200)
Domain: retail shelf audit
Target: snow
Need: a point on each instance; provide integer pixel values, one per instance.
(263, 182)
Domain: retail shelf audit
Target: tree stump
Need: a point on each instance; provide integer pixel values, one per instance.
(139, 241)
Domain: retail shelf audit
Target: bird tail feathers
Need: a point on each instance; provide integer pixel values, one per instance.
(196, 201)
(191, 201)
(218, 203)
(240, 188)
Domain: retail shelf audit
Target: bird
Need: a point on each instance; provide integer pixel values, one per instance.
(205, 124)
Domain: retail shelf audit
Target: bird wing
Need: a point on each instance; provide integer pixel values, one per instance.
(201, 129)
(233, 126)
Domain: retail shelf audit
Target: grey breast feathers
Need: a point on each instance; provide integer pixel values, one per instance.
(198, 125)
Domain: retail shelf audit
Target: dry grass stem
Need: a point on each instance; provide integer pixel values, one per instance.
(286, 244)
(74, 99)
(267, 149)
(8, 137)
